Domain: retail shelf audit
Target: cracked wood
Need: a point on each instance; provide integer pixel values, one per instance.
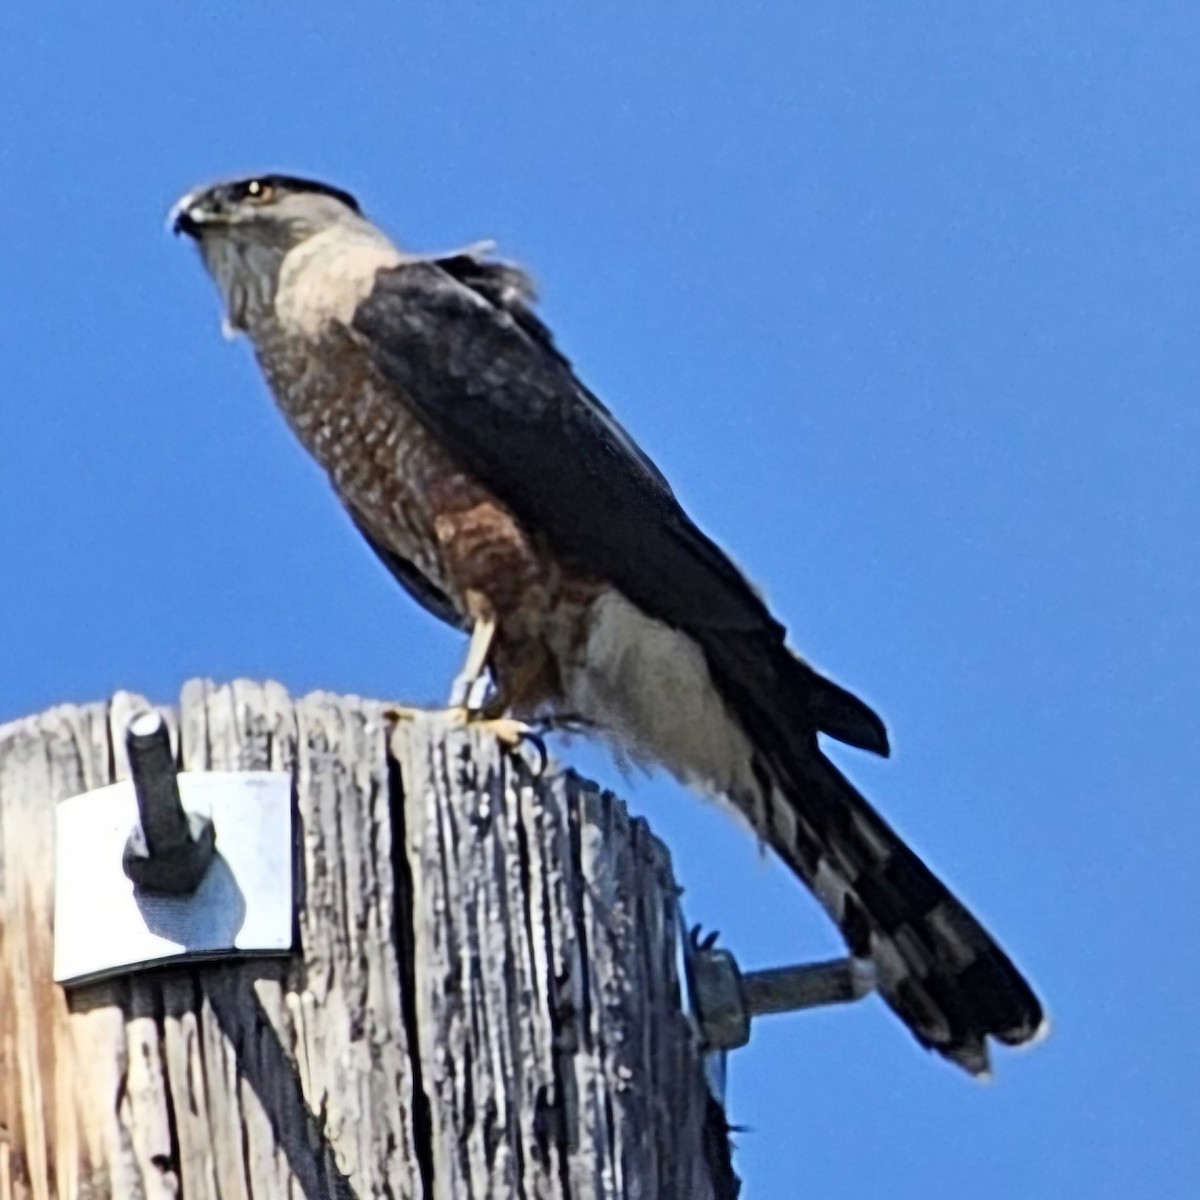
(482, 1002)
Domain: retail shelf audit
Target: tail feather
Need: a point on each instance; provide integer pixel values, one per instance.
(934, 964)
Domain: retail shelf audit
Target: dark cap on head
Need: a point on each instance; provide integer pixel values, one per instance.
(294, 183)
(209, 203)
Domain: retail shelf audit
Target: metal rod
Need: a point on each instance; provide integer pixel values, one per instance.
(170, 849)
(726, 1000)
(152, 766)
(785, 989)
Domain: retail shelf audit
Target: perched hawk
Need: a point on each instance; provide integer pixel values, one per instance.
(504, 496)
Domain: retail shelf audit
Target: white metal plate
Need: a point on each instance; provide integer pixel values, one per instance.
(243, 903)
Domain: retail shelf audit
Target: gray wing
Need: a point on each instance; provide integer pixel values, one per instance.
(466, 355)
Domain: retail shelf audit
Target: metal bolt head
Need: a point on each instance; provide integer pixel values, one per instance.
(720, 1009)
(175, 869)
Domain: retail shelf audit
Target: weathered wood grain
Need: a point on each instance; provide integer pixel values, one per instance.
(482, 1002)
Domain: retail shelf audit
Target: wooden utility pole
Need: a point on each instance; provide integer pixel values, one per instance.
(482, 999)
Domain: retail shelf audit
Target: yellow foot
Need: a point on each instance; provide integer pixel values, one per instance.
(512, 734)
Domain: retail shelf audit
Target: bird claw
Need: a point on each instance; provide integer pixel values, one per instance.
(512, 734)
(705, 942)
(394, 714)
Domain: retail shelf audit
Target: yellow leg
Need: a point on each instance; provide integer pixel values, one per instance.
(469, 703)
(463, 692)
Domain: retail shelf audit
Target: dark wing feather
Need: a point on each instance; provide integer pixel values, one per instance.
(457, 341)
(427, 594)
(506, 405)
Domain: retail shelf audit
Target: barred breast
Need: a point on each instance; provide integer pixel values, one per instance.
(379, 460)
(407, 492)
(409, 495)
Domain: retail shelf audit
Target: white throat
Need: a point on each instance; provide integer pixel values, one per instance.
(328, 275)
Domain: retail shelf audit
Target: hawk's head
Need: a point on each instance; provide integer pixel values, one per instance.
(277, 209)
(245, 227)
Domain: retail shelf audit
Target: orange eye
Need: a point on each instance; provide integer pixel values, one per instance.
(257, 190)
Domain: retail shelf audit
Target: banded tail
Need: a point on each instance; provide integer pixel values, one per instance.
(934, 964)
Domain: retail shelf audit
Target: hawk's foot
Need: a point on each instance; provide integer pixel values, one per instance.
(504, 729)
(512, 734)
(393, 714)
(476, 702)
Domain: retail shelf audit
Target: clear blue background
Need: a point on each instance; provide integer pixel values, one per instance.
(903, 297)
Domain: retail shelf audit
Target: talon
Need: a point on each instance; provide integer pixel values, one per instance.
(543, 757)
(505, 729)
(393, 714)
(514, 735)
(707, 942)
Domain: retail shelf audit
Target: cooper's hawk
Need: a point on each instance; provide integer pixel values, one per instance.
(504, 496)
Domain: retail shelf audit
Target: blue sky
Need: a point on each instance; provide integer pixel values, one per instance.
(903, 299)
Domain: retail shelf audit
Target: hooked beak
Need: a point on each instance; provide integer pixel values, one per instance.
(190, 215)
